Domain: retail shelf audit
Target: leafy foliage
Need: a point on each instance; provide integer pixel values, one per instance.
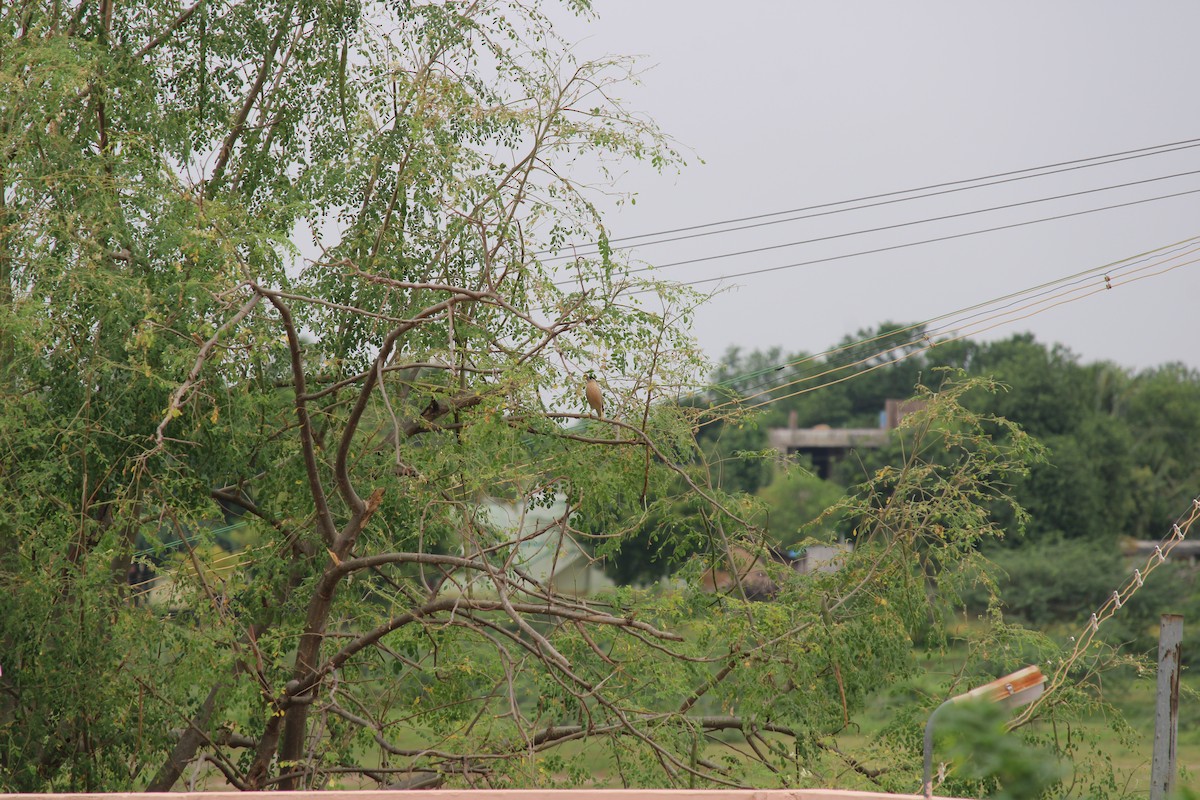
(1003, 764)
(287, 307)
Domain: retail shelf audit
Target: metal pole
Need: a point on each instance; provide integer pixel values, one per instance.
(1166, 707)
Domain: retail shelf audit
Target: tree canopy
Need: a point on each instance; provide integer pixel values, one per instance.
(287, 264)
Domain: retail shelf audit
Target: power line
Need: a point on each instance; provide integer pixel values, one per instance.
(998, 317)
(941, 218)
(1111, 271)
(904, 245)
(930, 345)
(183, 540)
(1062, 166)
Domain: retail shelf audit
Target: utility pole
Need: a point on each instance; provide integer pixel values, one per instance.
(1166, 707)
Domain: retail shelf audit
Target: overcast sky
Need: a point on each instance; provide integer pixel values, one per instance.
(796, 104)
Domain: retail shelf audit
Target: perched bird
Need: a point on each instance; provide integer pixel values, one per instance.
(595, 397)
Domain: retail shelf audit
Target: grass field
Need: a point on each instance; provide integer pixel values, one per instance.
(1129, 753)
(1136, 702)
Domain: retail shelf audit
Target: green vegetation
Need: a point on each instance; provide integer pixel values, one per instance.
(287, 299)
(1118, 463)
(1113, 471)
(1009, 767)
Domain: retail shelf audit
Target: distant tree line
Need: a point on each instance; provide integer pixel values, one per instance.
(1122, 457)
(1120, 462)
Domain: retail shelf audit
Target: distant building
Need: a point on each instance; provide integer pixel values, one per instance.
(825, 446)
(545, 550)
(1185, 552)
(822, 557)
(753, 575)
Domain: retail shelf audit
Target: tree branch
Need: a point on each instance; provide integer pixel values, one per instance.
(239, 121)
(174, 25)
(176, 401)
(185, 749)
(307, 439)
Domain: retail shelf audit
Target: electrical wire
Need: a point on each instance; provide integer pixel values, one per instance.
(895, 226)
(930, 345)
(152, 550)
(1103, 160)
(980, 308)
(959, 336)
(242, 557)
(1106, 283)
(903, 245)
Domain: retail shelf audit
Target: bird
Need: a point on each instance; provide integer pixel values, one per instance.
(595, 397)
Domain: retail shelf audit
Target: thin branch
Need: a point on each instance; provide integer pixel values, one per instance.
(163, 35)
(176, 401)
(239, 122)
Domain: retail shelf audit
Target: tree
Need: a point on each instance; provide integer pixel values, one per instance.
(794, 498)
(166, 356)
(1162, 406)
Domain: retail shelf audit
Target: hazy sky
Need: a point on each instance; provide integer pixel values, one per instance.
(796, 104)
